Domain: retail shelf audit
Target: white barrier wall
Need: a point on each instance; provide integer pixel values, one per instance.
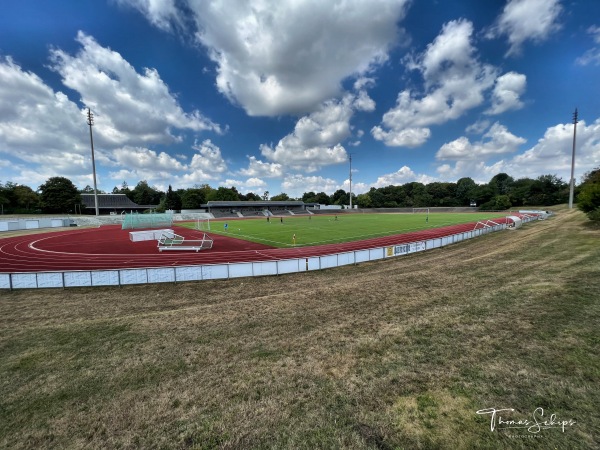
(120, 277)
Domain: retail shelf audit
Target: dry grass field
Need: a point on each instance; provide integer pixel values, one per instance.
(394, 354)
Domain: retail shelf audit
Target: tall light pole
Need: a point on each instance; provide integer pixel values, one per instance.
(350, 156)
(572, 189)
(90, 122)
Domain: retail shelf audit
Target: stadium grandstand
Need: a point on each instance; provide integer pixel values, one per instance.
(111, 203)
(255, 208)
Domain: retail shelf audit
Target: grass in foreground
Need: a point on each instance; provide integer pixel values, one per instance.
(334, 229)
(395, 354)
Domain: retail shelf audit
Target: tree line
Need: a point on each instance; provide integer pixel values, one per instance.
(60, 195)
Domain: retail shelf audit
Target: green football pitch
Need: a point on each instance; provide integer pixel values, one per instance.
(327, 229)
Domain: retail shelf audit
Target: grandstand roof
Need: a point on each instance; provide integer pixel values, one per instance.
(111, 201)
(259, 204)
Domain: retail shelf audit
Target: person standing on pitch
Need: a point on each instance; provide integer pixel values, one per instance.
(294, 239)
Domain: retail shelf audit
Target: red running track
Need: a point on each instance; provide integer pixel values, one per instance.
(109, 247)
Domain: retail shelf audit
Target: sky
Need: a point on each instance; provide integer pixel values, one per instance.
(292, 96)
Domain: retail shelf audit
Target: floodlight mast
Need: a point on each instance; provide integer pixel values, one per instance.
(572, 187)
(90, 122)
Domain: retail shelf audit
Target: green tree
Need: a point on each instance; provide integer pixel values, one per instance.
(465, 191)
(252, 197)
(309, 197)
(192, 198)
(322, 198)
(143, 194)
(588, 199)
(501, 184)
(59, 195)
(280, 197)
(364, 200)
(25, 197)
(340, 197)
(224, 194)
(172, 200)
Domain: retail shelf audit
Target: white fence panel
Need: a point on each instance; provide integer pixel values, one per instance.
(312, 263)
(24, 280)
(376, 253)
(188, 273)
(417, 247)
(4, 281)
(264, 268)
(31, 224)
(105, 278)
(77, 279)
(165, 275)
(328, 261)
(55, 223)
(292, 266)
(240, 270)
(361, 256)
(215, 272)
(134, 276)
(50, 280)
(345, 259)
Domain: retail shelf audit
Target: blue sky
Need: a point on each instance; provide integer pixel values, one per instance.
(276, 95)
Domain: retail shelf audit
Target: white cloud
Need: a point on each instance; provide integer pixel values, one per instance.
(316, 139)
(130, 108)
(257, 168)
(591, 56)
(254, 185)
(295, 185)
(498, 140)
(402, 176)
(278, 57)
(161, 13)
(523, 20)
(550, 155)
(507, 92)
(35, 121)
(454, 82)
(478, 127)
(208, 160)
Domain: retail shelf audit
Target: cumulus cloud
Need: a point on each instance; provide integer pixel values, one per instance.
(163, 14)
(402, 176)
(455, 82)
(550, 155)
(592, 56)
(130, 108)
(507, 92)
(498, 140)
(523, 20)
(254, 185)
(316, 139)
(296, 184)
(278, 57)
(34, 117)
(257, 168)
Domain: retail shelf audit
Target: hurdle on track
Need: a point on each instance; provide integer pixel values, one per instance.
(177, 242)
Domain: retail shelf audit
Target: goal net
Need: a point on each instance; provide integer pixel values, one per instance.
(421, 210)
(153, 220)
(203, 224)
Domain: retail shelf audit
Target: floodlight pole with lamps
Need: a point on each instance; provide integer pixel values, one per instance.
(572, 188)
(90, 122)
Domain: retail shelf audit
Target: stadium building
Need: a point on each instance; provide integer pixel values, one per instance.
(111, 204)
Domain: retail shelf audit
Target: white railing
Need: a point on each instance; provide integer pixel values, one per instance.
(121, 277)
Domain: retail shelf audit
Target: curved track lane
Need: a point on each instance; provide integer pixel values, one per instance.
(109, 247)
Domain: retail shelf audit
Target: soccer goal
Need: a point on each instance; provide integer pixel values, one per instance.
(421, 210)
(203, 224)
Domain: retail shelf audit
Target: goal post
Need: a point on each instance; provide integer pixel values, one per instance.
(420, 210)
(203, 224)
